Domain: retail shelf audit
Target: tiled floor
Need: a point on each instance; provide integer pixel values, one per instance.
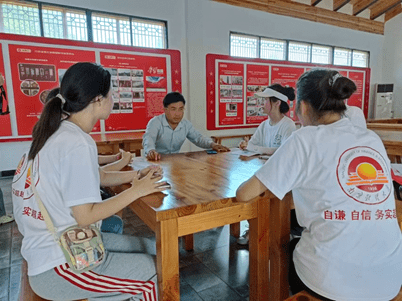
(217, 269)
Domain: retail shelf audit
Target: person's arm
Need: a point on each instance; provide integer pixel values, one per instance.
(116, 178)
(204, 142)
(106, 159)
(151, 134)
(90, 213)
(250, 189)
(126, 158)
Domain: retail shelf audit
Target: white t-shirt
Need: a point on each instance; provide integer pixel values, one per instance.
(271, 136)
(66, 174)
(339, 174)
(356, 115)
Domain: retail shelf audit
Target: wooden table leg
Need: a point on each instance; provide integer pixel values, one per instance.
(278, 247)
(167, 258)
(235, 229)
(259, 252)
(189, 242)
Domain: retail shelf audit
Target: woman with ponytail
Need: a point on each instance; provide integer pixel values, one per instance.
(65, 172)
(340, 178)
(272, 132)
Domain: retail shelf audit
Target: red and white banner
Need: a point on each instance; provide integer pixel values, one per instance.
(5, 124)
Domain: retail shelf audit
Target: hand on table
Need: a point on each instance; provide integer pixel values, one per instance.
(127, 157)
(220, 148)
(243, 144)
(153, 155)
(156, 169)
(148, 184)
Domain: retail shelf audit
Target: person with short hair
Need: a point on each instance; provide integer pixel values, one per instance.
(62, 163)
(340, 178)
(166, 133)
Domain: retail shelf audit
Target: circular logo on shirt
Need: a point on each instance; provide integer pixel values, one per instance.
(363, 175)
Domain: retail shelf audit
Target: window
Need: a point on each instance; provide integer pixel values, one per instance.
(244, 46)
(60, 22)
(273, 49)
(299, 52)
(148, 34)
(360, 58)
(342, 57)
(20, 18)
(321, 54)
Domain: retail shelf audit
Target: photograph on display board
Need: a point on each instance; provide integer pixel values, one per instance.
(231, 109)
(255, 75)
(35, 71)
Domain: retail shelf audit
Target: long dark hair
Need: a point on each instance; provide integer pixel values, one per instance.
(325, 90)
(288, 91)
(81, 83)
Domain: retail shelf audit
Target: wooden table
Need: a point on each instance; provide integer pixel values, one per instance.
(393, 143)
(203, 197)
(110, 143)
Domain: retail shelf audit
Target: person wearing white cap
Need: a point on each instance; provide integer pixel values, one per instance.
(272, 132)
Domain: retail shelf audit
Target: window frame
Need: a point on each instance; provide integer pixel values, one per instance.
(312, 44)
(89, 13)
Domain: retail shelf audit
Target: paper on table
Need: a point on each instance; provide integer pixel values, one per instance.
(245, 153)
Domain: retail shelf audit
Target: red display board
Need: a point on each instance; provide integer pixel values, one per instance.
(139, 85)
(35, 71)
(5, 124)
(232, 82)
(141, 77)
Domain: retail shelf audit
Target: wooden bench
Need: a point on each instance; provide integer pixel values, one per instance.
(218, 139)
(26, 292)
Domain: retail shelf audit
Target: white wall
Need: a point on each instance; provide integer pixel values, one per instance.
(199, 27)
(392, 64)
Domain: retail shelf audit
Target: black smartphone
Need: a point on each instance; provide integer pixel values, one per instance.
(211, 151)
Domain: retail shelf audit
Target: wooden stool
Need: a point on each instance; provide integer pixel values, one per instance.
(26, 292)
(304, 296)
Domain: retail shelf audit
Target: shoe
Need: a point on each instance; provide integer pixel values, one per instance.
(243, 240)
(8, 218)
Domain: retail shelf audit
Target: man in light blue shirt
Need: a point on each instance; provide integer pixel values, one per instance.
(166, 133)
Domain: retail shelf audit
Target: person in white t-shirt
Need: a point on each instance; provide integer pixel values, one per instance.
(340, 178)
(65, 172)
(356, 116)
(272, 132)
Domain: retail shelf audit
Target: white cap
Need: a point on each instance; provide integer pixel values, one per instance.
(268, 92)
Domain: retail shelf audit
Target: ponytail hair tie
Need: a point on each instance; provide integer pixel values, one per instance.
(63, 101)
(333, 79)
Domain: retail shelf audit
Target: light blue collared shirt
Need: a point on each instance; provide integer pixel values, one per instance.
(162, 138)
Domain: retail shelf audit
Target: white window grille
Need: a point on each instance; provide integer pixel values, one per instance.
(19, 18)
(343, 57)
(360, 59)
(299, 52)
(321, 54)
(148, 33)
(273, 49)
(243, 46)
(63, 23)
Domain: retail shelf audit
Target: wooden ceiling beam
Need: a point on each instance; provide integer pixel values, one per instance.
(338, 4)
(382, 7)
(311, 13)
(393, 12)
(315, 2)
(361, 5)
